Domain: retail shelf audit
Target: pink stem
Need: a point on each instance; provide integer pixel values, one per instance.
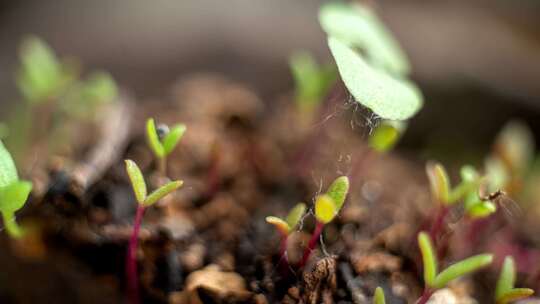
(283, 258)
(312, 243)
(131, 260)
(425, 296)
(437, 226)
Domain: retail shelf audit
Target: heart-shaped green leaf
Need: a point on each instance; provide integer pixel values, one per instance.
(386, 96)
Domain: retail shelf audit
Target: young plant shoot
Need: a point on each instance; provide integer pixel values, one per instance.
(327, 206)
(505, 291)
(386, 135)
(286, 226)
(378, 298)
(435, 280)
(143, 201)
(162, 141)
(312, 81)
(13, 192)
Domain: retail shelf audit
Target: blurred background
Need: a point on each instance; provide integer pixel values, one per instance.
(477, 62)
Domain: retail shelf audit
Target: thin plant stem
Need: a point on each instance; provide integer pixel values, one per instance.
(425, 296)
(162, 166)
(131, 260)
(312, 243)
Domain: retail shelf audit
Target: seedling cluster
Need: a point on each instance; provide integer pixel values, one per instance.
(162, 141)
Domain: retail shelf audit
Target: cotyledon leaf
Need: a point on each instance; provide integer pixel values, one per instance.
(360, 27)
(8, 171)
(386, 96)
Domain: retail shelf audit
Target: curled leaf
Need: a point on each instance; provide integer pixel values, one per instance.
(162, 191)
(439, 182)
(325, 209)
(429, 259)
(153, 139)
(137, 180)
(389, 97)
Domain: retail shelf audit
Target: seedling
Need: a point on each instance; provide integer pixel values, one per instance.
(327, 206)
(505, 291)
(143, 201)
(435, 280)
(162, 141)
(13, 192)
(378, 79)
(312, 81)
(379, 296)
(286, 227)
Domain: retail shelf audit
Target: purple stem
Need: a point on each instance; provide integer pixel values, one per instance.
(312, 243)
(131, 260)
(425, 296)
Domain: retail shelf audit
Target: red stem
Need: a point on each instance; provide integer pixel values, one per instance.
(438, 223)
(131, 260)
(312, 243)
(425, 296)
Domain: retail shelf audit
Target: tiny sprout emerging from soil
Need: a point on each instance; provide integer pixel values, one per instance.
(327, 206)
(143, 200)
(505, 291)
(385, 136)
(379, 296)
(13, 192)
(436, 280)
(163, 140)
(312, 81)
(286, 226)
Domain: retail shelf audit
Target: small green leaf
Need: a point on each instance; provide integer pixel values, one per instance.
(359, 26)
(11, 225)
(137, 180)
(280, 224)
(8, 171)
(162, 191)
(507, 278)
(389, 97)
(429, 259)
(514, 295)
(481, 209)
(470, 181)
(325, 209)
(338, 191)
(385, 136)
(14, 196)
(295, 215)
(379, 296)
(173, 137)
(439, 182)
(462, 268)
(312, 81)
(153, 139)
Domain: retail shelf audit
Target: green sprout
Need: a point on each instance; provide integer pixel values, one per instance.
(286, 226)
(505, 291)
(143, 201)
(162, 141)
(379, 296)
(13, 192)
(312, 81)
(378, 79)
(435, 280)
(385, 136)
(327, 207)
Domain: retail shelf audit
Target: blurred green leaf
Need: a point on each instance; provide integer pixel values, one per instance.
(10, 223)
(173, 137)
(379, 296)
(14, 196)
(505, 291)
(162, 191)
(462, 268)
(481, 209)
(386, 96)
(385, 136)
(515, 294)
(429, 259)
(338, 190)
(358, 26)
(282, 226)
(439, 182)
(8, 171)
(295, 215)
(137, 180)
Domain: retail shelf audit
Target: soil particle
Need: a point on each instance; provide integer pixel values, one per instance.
(376, 262)
(320, 283)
